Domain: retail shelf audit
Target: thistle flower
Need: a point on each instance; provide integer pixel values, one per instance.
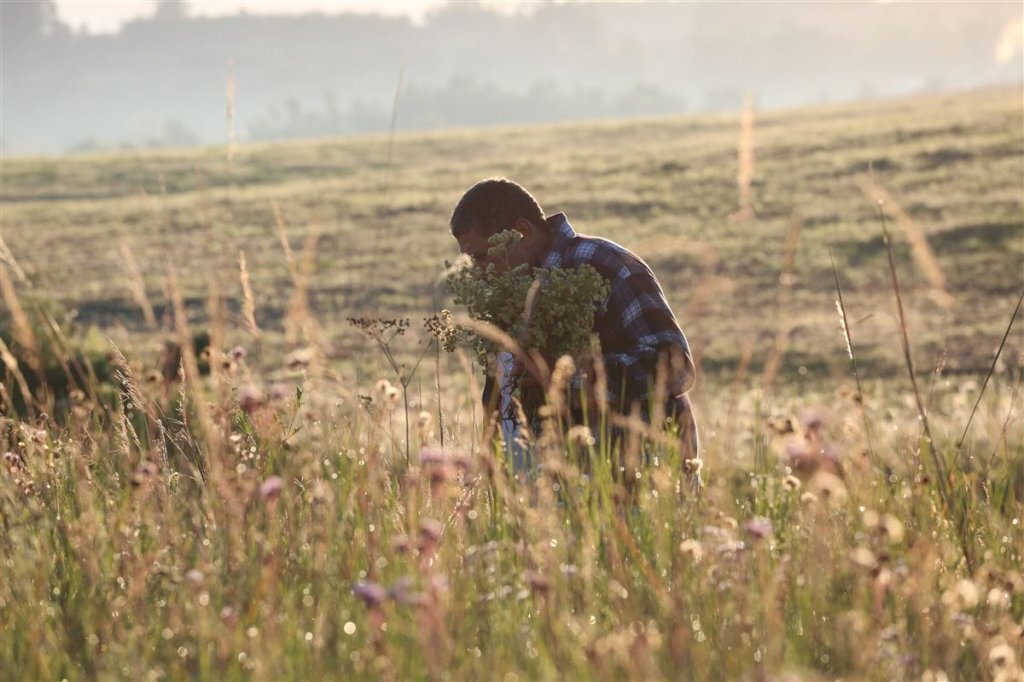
(250, 398)
(430, 532)
(538, 582)
(280, 391)
(791, 482)
(759, 527)
(402, 593)
(271, 488)
(237, 353)
(372, 594)
(144, 472)
(195, 578)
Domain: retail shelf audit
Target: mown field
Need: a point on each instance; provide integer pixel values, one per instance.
(268, 517)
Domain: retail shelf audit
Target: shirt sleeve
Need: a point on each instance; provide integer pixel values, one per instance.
(638, 307)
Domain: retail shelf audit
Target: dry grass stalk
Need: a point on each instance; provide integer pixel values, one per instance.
(11, 363)
(189, 364)
(845, 324)
(745, 175)
(8, 258)
(919, 247)
(215, 306)
(786, 282)
(298, 320)
(710, 285)
(248, 300)
(282, 234)
(126, 430)
(23, 333)
(137, 284)
(991, 370)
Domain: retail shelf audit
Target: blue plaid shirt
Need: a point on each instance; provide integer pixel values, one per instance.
(636, 324)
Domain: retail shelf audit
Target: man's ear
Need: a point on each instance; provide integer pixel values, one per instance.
(526, 228)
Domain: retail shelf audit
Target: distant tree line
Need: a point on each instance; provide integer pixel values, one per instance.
(161, 80)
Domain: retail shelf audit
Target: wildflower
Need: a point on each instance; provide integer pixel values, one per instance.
(892, 528)
(237, 353)
(250, 398)
(693, 466)
(462, 462)
(808, 498)
(963, 596)
(537, 582)
(194, 578)
(424, 421)
(271, 488)
(759, 527)
(693, 548)
(392, 394)
(144, 472)
(402, 593)
(864, 557)
(431, 456)
(791, 482)
(783, 425)
(828, 487)
(998, 599)
(280, 391)
(1002, 656)
(228, 615)
(300, 357)
(813, 418)
(430, 533)
(372, 594)
(581, 436)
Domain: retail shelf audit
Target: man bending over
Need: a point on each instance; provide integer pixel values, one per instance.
(636, 328)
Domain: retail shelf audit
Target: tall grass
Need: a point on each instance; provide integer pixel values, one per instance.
(272, 529)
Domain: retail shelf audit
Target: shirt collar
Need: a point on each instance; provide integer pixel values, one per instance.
(562, 235)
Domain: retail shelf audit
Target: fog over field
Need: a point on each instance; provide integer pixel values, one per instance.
(162, 79)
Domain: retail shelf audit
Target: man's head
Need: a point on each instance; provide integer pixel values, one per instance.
(495, 205)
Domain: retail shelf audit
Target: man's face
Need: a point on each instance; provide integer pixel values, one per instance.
(526, 250)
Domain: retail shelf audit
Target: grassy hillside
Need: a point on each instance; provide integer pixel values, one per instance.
(282, 516)
(665, 187)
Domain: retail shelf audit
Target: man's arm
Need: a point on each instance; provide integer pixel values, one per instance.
(646, 331)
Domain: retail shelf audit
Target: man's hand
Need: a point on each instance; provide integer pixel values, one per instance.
(525, 379)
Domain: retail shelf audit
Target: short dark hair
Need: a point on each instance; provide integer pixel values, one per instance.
(493, 205)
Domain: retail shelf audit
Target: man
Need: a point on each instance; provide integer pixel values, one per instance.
(639, 336)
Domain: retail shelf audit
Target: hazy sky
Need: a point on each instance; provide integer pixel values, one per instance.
(99, 16)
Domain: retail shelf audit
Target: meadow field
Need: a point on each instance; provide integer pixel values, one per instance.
(301, 497)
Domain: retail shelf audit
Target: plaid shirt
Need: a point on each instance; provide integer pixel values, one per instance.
(636, 323)
(635, 326)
